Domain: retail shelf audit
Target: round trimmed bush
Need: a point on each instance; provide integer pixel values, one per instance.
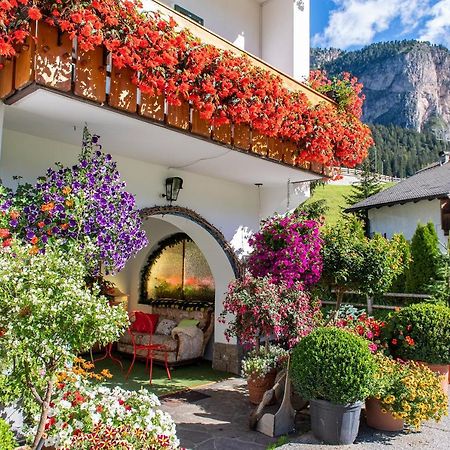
(7, 439)
(421, 332)
(333, 364)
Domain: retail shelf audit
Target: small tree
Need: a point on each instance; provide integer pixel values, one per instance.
(368, 185)
(48, 316)
(351, 261)
(426, 259)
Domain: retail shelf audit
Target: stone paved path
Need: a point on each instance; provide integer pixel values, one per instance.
(220, 422)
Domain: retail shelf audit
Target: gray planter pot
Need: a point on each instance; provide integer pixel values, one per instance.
(335, 424)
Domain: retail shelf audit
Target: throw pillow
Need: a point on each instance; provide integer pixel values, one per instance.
(165, 327)
(144, 323)
(186, 323)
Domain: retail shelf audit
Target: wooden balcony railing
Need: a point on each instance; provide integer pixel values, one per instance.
(51, 61)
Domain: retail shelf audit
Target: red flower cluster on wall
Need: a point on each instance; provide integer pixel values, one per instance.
(225, 87)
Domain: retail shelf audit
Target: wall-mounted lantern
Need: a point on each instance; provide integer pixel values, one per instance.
(173, 186)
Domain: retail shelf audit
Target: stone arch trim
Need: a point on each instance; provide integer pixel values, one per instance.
(190, 214)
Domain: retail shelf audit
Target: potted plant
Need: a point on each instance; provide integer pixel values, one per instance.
(334, 369)
(406, 393)
(421, 332)
(262, 312)
(260, 368)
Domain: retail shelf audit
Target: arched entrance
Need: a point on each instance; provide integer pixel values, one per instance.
(222, 261)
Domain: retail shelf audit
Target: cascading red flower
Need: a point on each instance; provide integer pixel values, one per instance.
(225, 87)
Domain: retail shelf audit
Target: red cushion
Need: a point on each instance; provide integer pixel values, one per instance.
(144, 323)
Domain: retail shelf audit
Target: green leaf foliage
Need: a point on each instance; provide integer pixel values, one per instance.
(7, 439)
(334, 365)
(353, 261)
(429, 327)
(399, 281)
(48, 314)
(426, 259)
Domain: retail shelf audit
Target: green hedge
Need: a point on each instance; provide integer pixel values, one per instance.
(333, 364)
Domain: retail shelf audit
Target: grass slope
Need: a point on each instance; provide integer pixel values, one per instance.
(334, 195)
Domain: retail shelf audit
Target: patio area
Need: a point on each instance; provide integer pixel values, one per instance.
(218, 420)
(211, 411)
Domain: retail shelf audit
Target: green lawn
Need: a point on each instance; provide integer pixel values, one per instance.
(184, 377)
(334, 195)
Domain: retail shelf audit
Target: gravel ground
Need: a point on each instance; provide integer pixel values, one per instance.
(433, 436)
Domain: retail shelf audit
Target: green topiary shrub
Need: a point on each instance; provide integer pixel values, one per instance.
(420, 332)
(333, 364)
(7, 439)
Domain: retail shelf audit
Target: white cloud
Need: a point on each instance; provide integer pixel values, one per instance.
(437, 26)
(357, 22)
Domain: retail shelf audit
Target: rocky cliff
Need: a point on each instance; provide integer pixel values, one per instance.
(406, 83)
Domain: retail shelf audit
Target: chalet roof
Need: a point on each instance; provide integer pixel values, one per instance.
(431, 182)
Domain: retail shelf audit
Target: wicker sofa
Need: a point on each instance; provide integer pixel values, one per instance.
(183, 345)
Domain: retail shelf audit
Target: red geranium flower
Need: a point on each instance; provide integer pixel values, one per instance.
(34, 13)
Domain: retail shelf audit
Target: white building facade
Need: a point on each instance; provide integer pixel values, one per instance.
(231, 190)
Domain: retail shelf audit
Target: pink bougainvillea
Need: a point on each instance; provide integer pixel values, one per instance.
(287, 249)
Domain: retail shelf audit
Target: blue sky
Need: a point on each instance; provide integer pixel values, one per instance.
(350, 24)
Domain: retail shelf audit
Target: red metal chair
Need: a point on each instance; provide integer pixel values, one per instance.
(149, 347)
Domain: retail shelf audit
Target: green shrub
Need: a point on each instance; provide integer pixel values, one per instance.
(425, 254)
(7, 439)
(333, 364)
(420, 332)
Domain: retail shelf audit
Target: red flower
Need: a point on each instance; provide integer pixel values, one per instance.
(7, 243)
(4, 233)
(394, 341)
(34, 240)
(34, 13)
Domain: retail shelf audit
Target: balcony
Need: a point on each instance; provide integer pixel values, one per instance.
(52, 63)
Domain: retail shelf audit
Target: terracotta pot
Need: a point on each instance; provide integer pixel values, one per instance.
(442, 370)
(380, 420)
(257, 386)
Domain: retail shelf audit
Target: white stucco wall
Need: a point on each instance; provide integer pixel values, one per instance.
(405, 218)
(285, 38)
(238, 21)
(232, 207)
(276, 31)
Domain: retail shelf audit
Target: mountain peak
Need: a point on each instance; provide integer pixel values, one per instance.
(406, 83)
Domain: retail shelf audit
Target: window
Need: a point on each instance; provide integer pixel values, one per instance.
(445, 216)
(189, 14)
(178, 270)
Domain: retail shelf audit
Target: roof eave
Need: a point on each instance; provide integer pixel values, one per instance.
(396, 202)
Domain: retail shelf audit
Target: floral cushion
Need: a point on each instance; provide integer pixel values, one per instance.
(165, 327)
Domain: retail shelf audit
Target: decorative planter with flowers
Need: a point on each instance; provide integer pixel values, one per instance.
(421, 332)
(264, 312)
(406, 393)
(224, 87)
(85, 416)
(334, 369)
(260, 367)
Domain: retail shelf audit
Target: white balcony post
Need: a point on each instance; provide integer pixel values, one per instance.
(285, 36)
